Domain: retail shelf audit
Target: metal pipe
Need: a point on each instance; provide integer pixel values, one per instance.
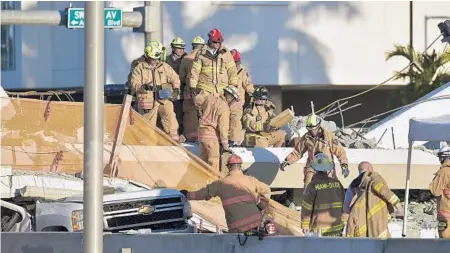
(408, 179)
(130, 19)
(94, 69)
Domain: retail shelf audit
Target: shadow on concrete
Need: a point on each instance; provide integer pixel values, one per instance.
(263, 171)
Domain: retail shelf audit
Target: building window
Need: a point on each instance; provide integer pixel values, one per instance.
(7, 39)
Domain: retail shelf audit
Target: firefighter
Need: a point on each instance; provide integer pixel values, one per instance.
(214, 124)
(174, 60)
(316, 139)
(154, 81)
(322, 200)
(243, 197)
(190, 117)
(142, 58)
(440, 188)
(369, 214)
(213, 68)
(350, 193)
(245, 85)
(256, 118)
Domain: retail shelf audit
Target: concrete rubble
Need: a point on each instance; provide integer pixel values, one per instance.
(348, 137)
(422, 211)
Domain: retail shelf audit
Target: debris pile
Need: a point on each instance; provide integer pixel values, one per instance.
(348, 137)
(422, 210)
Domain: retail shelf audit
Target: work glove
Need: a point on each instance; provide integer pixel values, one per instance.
(268, 128)
(227, 149)
(283, 165)
(399, 212)
(345, 170)
(184, 192)
(147, 87)
(193, 92)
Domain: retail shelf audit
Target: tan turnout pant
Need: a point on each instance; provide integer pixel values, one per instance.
(210, 153)
(163, 109)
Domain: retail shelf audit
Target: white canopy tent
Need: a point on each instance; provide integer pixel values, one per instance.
(430, 129)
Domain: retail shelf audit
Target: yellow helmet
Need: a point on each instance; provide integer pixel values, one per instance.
(157, 44)
(178, 43)
(198, 41)
(153, 52)
(313, 121)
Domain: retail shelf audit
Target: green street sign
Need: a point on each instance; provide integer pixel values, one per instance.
(112, 18)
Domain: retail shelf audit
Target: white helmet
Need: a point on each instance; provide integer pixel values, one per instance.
(233, 91)
(444, 153)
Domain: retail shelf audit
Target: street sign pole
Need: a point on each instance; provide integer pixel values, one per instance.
(94, 68)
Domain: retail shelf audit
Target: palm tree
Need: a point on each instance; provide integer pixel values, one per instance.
(426, 73)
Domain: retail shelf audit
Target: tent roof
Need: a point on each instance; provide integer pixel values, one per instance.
(430, 129)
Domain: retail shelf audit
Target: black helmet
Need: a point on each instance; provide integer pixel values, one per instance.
(261, 93)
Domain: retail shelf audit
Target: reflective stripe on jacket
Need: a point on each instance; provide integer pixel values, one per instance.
(322, 205)
(213, 72)
(325, 142)
(369, 215)
(214, 122)
(239, 194)
(440, 188)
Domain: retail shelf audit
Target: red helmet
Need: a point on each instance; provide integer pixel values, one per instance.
(236, 55)
(215, 35)
(234, 159)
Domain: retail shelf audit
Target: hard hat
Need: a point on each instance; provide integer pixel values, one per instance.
(444, 153)
(236, 55)
(157, 44)
(178, 43)
(215, 35)
(198, 41)
(313, 121)
(234, 159)
(261, 93)
(153, 52)
(322, 162)
(233, 91)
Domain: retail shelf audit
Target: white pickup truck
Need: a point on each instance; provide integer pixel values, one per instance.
(36, 201)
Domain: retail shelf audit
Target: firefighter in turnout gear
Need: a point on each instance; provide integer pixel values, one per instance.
(245, 85)
(190, 113)
(153, 82)
(174, 60)
(369, 214)
(317, 139)
(243, 197)
(256, 118)
(440, 188)
(142, 58)
(214, 124)
(213, 68)
(322, 200)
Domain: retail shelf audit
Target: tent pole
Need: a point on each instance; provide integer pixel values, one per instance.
(408, 177)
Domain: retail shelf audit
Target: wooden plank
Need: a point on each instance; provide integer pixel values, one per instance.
(111, 168)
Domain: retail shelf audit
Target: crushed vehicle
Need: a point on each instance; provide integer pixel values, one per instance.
(48, 201)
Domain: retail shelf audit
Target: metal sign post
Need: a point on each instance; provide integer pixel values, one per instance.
(94, 68)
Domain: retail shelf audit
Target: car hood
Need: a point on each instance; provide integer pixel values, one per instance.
(154, 193)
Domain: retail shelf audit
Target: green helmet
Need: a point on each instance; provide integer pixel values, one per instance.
(198, 41)
(178, 43)
(153, 52)
(313, 121)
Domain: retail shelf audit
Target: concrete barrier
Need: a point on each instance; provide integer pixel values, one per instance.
(213, 243)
